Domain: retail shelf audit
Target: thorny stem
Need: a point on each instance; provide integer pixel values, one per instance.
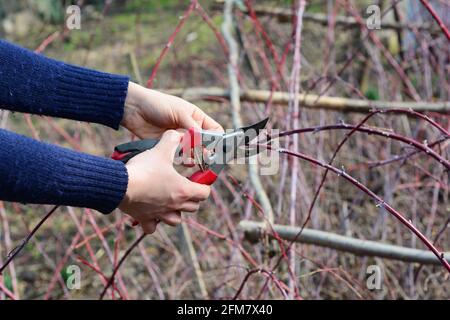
(354, 129)
(203, 228)
(217, 33)
(121, 261)
(260, 210)
(435, 240)
(98, 271)
(404, 156)
(380, 201)
(266, 38)
(24, 242)
(370, 130)
(436, 17)
(8, 293)
(263, 271)
(169, 43)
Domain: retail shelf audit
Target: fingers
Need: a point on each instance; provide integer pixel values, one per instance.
(190, 206)
(209, 123)
(205, 121)
(169, 142)
(171, 218)
(187, 122)
(198, 119)
(149, 227)
(196, 191)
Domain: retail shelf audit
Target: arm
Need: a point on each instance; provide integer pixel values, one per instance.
(148, 188)
(36, 172)
(35, 84)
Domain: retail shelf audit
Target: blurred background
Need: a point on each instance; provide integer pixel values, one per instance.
(405, 61)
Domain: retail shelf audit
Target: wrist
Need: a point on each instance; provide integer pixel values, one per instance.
(127, 197)
(132, 105)
(134, 94)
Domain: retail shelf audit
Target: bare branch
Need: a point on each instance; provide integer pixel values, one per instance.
(253, 230)
(311, 101)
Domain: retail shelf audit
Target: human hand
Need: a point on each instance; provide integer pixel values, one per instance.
(148, 113)
(156, 191)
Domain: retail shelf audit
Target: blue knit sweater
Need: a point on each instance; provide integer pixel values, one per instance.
(36, 172)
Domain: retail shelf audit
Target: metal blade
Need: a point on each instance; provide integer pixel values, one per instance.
(254, 129)
(250, 151)
(230, 147)
(250, 133)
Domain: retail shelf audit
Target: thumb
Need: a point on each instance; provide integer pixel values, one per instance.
(169, 142)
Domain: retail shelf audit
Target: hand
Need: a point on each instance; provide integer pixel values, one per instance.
(148, 113)
(156, 191)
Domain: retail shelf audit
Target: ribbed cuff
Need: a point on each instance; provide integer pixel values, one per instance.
(89, 95)
(92, 182)
(41, 173)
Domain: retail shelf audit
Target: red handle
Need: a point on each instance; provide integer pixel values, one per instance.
(117, 155)
(192, 139)
(204, 177)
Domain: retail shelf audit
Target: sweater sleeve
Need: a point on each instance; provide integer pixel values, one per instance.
(35, 84)
(40, 173)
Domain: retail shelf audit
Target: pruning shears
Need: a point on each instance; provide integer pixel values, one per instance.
(211, 150)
